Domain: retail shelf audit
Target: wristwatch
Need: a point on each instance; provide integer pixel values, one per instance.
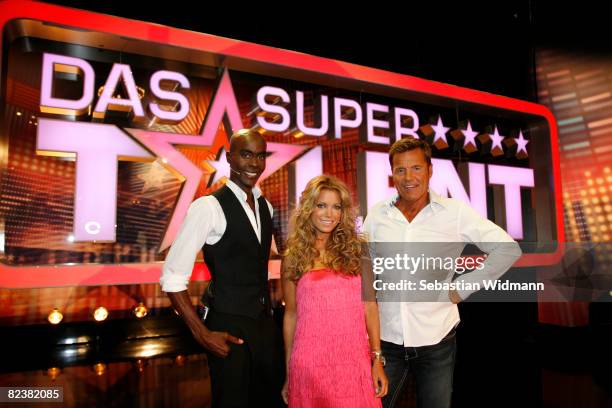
(377, 355)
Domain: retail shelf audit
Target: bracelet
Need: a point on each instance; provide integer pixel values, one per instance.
(376, 355)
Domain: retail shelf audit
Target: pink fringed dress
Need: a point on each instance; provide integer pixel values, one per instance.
(330, 363)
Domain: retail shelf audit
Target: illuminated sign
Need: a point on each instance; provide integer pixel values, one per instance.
(153, 108)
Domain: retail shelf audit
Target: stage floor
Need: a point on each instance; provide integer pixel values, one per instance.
(154, 362)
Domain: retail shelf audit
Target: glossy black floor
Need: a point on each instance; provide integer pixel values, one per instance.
(504, 359)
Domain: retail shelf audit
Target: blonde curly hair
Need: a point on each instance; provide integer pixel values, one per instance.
(344, 246)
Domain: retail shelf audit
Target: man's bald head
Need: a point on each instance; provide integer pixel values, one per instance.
(244, 135)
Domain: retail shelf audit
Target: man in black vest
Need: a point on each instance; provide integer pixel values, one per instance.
(233, 227)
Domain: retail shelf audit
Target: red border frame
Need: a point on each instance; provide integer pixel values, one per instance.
(50, 276)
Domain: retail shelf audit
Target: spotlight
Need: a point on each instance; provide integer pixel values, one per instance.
(140, 365)
(99, 368)
(55, 316)
(140, 311)
(180, 359)
(100, 314)
(53, 373)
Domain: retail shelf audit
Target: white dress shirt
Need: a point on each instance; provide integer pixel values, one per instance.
(204, 224)
(415, 324)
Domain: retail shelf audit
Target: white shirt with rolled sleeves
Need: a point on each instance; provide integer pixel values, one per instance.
(205, 223)
(416, 324)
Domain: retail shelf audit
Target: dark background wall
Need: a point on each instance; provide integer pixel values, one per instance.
(483, 45)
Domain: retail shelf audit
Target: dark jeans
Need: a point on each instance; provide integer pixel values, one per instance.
(432, 367)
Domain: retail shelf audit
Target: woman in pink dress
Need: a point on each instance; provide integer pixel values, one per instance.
(332, 335)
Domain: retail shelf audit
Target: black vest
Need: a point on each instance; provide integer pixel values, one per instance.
(238, 263)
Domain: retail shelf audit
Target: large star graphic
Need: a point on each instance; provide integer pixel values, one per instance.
(163, 144)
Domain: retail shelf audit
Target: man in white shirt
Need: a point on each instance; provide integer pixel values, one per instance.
(419, 337)
(233, 227)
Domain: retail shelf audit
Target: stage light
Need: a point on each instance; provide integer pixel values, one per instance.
(55, 316)
(53, 372)
(100, 314)
(99, 368)
(149, 349)
(140, 311)
(75, 340)
(180, 360)
(140, 365)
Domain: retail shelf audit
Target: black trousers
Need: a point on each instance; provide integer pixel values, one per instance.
(253, 373)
